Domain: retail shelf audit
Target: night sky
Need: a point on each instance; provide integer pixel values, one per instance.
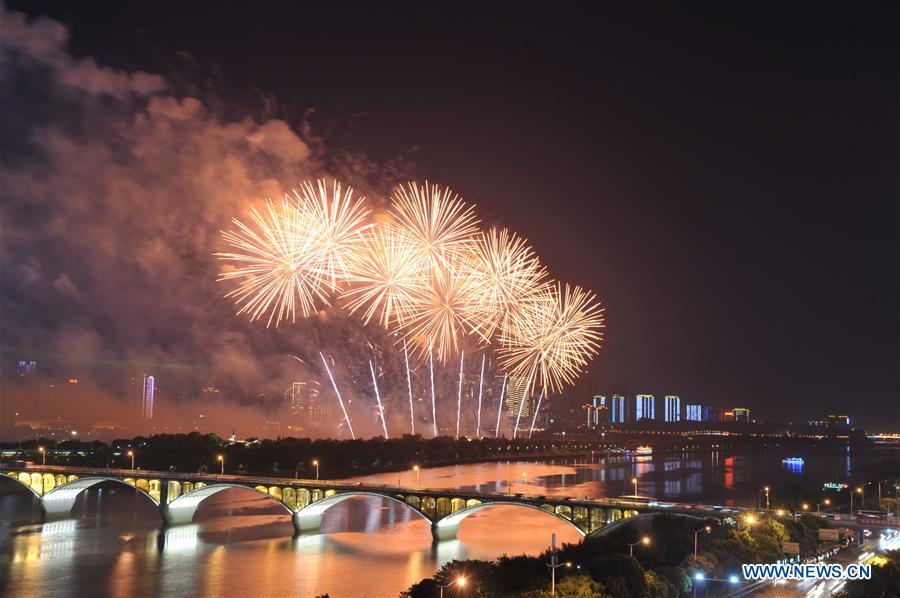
(724, 176)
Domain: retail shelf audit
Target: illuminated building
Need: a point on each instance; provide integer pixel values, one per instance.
(615, 408)
(26, 368)
(297, 392)
(515, 395)
(672, 408)
(644, 407)
(147, 391)
(741, 414)
(838, 421)
(693, 413)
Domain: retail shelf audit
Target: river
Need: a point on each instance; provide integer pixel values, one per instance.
(241, 545)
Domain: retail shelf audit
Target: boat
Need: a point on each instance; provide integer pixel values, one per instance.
(643, 450)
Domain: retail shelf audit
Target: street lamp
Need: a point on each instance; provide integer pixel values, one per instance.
(554, 564)
(749, 520)
(631, 545)
(525, 475)
(706, 529)
(634, 481)
(460, 581)
(767, 497)
(825, 502)
(806, 506)
(316, 463)
(416, 469)
(43, 455)
(221, 460)
(859, 490)
(131, 454)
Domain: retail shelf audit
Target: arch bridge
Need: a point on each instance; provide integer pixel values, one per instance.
(178, 495)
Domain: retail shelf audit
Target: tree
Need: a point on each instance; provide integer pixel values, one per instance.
(604, 568)
(885, 580)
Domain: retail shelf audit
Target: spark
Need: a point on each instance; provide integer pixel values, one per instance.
(338, 393)
(462, 356)
(500, 407)
(480, 387)
(412, 418)
(536, 411)
(433, 402)
(378, 398)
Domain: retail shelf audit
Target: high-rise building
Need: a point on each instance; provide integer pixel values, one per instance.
(644, 407)
(615, 408)
(297, 393)
(515, 397)
(672, 408)
(147, 391)
(693, 413)
(741, 414)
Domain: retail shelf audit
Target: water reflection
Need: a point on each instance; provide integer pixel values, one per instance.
(241, 544)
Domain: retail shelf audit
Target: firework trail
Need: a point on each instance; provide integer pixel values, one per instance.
(412, 417)
(500, 407)
(378, 398)
(536, 411)
(480, 387)
(338, 393)
(433, 402)
(462, 355)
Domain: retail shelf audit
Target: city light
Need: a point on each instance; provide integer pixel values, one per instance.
(733, 579)
(698, 576)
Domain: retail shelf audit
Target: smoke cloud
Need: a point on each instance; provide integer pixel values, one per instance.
(115, 188)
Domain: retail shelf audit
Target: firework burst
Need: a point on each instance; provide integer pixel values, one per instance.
(559, 331)
(384, 276)
(273, 262)
(507, 273)
(437, 220)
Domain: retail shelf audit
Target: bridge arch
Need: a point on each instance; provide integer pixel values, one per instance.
(447, 527)
(620, 523)
(309, 518)
(60, 500)
(182, 509)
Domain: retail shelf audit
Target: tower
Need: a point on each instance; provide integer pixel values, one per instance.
(147, 391)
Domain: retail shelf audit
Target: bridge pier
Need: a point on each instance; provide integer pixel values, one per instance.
(441, 531)
(307, 522)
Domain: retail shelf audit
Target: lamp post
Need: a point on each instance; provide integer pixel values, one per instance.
(859, 490)
(43, 455)
(825, 502)
(221, 460)
(416, 469)
(634, 481)
(631, 545)
(460, 581)
(554, 564)
(316, 463)
(131, 454)
(767, 497)
(706, 529)
(525, 475)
